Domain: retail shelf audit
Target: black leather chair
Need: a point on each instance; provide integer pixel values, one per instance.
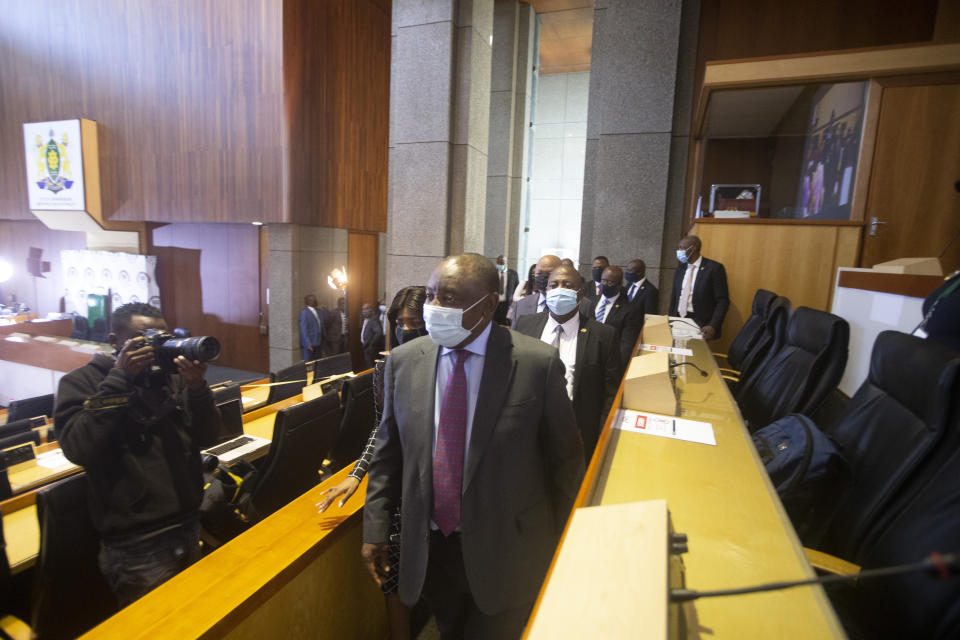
(359, 415)
(17, 427)
(772, 338)
(302, 436)
(99, 331)
(332, 366)
(81, 328)
(918, 604)
(751, 331)
(30, 407)
(899, 418)
(228, 398)
(296, 378)
(70, 594)
(797, 377)
(20, 438)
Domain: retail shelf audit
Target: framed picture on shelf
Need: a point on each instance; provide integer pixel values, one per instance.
(734, 200)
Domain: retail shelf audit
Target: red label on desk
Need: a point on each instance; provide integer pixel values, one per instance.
(641, 422)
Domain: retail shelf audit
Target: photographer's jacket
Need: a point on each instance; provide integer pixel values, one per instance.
(143, 464)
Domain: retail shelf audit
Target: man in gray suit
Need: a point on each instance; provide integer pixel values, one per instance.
(479, 444)
(536, 302)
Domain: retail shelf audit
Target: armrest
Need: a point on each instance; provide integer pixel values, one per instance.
(826, 563)
(15, 628)
(732, 372)
(731, 378)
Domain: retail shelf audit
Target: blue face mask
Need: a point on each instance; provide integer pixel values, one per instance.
(445, 324)
(630, 276)
(682, 256)
(609, 290)
(561, 301)
(501, 267)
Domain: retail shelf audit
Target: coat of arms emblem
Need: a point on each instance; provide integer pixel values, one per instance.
(53, 164)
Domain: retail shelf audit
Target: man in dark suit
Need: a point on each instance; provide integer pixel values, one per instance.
(699, 289)
(312, 321)
(535, 302)
(640, 291)
(589, 350)
(479, 441)
(371, 334)
(593, 289)
(508, 284)
(612, 308)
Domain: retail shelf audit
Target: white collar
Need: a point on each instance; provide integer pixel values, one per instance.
(570, 327)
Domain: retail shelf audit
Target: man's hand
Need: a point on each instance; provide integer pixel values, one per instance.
(193, 373)
(134, 357)
(345, 489)
(709, 333)
(375, 558)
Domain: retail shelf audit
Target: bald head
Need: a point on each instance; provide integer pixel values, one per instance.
(473, 270)
(612, 276)
(541, 272)
(565, 277)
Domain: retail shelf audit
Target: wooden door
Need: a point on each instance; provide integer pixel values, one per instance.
(915, 166)
(362, 261)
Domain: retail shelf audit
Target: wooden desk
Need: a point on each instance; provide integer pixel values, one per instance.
(721, 497)
(21, 530)
(296, 574)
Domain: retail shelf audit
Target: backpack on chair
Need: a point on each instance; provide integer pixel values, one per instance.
(806, 469)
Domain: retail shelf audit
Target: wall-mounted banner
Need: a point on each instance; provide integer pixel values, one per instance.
(127, 276)
(54, 165)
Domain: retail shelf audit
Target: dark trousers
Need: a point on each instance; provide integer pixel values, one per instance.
(134, 567)
(500, 315)
(448, 596)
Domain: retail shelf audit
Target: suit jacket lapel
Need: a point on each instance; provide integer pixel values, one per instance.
(422, 412)
(582, 336)
(498, 370)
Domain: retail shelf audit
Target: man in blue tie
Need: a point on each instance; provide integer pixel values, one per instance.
(613, 308)
(479, 442)
(640, 292)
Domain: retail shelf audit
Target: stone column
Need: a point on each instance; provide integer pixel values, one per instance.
(439, 117)
(633, 79)
(510, 78)
(300, 258)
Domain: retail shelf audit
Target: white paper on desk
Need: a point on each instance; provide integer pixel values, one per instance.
(676, 351)
(667, 427)
(684, 328)
(52, 459)
(247, 399)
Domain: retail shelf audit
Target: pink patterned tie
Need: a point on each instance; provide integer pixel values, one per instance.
(451, 441)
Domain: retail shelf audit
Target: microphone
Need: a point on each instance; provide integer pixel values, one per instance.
(680, 364)
(939, 565)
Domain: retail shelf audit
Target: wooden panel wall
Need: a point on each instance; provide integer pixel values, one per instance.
(337, 81)
(795, 260)
(42, 295)
(208, 276)
(362, 263)
(746, 28)
(188, 94)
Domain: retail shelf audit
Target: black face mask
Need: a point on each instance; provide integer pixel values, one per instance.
(540, 281)
(609, 290)
(597, 274)
(406, 335)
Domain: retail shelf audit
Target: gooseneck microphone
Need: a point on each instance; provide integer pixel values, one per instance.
(939, 565)
(689, 364)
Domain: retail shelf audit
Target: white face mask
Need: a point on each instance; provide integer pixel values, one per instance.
(561, 301)
(445, 324)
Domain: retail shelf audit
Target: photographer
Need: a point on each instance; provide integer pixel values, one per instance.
(137, 427)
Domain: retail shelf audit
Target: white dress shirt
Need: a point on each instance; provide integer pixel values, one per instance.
(568, 344)
(632, 291)
(606, 311)
(686, 290)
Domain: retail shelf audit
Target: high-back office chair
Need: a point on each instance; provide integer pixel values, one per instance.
(17, 427)
(772, 336)
(70, 594)
(30, 407)
(20, 438)
(98, 332)
(912, 605)
(302, 436)
(359, 414)
(296, 378)
(229, 401)
(751, 331)
(897, 419)
(798, 377)
(81, 328)
(332, 366)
